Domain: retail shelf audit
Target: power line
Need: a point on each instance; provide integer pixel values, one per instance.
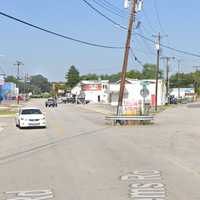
(142, 36)
(113, 6)
(133, 56)
(107, 8)
(149, 21)
(169, 47)
(158, 16)
(145, 42)
(58, 34)
(159, 20)
(103, 15)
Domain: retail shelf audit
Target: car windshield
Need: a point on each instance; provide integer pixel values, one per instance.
(31, 111)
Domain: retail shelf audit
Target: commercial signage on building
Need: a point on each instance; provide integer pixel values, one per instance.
(92, 87)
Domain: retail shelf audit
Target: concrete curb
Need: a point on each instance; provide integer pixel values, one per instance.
(7, 116)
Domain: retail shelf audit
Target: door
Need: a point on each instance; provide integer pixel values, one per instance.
(99, 98)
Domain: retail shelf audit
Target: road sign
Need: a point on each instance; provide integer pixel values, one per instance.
(144, 83)
(144, 92)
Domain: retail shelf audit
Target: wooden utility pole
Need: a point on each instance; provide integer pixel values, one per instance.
(126, 54)
(157, 69)
(178, 77)
(167, 75)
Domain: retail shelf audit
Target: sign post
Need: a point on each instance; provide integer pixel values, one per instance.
(144, 92)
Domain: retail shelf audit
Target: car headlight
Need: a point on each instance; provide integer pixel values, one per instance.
(23, 119)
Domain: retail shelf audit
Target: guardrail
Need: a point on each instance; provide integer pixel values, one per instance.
(123, 119)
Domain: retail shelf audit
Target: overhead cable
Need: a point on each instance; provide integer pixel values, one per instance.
(58, 34)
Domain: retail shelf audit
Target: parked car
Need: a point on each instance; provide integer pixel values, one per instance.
(172, 99)
(51, 103)
(30, 117)
(59, 101)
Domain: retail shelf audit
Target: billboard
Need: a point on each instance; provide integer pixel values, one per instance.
(92, 87)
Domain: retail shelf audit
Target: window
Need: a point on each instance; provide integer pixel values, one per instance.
(31, 111)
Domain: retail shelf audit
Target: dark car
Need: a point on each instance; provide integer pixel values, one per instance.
(172, 99)
(51, 103)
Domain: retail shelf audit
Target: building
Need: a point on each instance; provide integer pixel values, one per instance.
(94, 91)
(1, 86)
(182, 92)
(133, 89)
(105, 92)
(9, 91)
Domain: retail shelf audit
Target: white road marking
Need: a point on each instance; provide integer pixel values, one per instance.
(142, 175)
(30, 195)
(145, 185)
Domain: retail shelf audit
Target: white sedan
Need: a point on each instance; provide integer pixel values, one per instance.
(30, 117)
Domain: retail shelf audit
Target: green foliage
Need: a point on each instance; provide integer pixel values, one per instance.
(185, 80)
(18, 83)
(37, 85)
(134, 74)
(89, 77)
(149, 72)
(72, 77)
(11, 79)
(40, 84)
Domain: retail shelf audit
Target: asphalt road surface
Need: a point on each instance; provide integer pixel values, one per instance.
(79, 157)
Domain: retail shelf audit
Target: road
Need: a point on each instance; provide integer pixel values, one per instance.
(79, 157)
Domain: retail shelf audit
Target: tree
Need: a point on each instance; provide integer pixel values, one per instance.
(39, 83)
(72, 76)
(185, 80)
(19, 84)
(149, 71)
(134, 74)
(89, 77)
(11, 79)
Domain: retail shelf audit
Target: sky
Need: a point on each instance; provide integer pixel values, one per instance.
(52, 56)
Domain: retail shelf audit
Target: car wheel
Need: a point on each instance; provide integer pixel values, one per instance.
(19, 126)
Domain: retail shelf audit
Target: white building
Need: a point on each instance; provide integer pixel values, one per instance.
(104, 92)
(132, 94)
(182, 92)
(94, 91)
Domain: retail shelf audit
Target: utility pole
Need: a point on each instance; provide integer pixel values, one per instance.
(167, 75)
(197, 68)
(195, 81)
(178, 77)
(18, 64)
(126, 54)
(25, 82)
(157, 69)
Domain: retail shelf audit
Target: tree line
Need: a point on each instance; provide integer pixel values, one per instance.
(73, 76)
(36, 84)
